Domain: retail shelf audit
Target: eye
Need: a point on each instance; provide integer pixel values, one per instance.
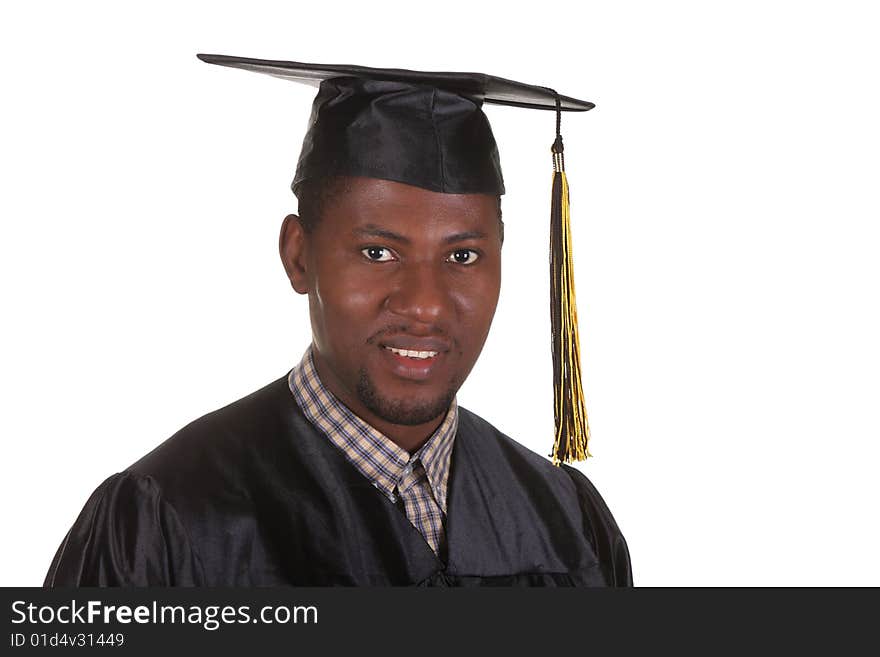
(463, 256)
(377, 254)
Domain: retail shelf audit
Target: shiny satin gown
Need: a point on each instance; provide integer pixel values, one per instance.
(253, 495)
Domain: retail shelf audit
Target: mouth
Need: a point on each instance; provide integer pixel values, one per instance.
(414, 358)
(412, 353)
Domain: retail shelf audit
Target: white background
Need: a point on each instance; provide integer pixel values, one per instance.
(725, 208)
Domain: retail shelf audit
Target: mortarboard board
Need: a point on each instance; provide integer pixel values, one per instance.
(428, 129)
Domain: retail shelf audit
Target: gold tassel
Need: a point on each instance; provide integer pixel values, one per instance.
(570, 414)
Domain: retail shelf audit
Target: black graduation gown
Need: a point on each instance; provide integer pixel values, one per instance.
(253, 495)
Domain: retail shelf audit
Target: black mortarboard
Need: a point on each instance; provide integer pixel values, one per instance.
(428, 129)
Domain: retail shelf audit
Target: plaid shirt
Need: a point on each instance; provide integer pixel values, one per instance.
(420, 479)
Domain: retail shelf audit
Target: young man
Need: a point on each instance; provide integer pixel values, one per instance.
(358, 467)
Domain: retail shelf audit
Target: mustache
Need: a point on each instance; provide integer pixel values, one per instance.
(407, 330)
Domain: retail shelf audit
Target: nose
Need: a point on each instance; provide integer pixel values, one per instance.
(421, 294)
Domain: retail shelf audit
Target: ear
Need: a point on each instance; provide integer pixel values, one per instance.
(292, 246)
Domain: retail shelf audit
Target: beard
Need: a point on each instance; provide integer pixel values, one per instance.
(407, 412)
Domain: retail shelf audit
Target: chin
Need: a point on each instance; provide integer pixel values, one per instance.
(403, 409)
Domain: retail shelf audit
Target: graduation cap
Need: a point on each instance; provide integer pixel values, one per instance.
(428, 129)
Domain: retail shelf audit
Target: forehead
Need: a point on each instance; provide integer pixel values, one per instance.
(408, 209)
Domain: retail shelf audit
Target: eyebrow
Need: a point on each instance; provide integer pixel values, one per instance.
(466, 235)
(371, 230)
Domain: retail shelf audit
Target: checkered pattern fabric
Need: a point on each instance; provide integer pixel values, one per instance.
(419, 480)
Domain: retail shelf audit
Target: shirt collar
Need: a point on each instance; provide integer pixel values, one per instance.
(374, 454)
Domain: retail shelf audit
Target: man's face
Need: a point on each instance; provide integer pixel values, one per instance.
(402, 285)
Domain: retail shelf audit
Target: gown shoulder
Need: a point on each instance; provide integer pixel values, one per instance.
(125, 535)
(571, 490)
(602, 531)
(135, 528)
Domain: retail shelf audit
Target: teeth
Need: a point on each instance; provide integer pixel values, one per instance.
(413, 354)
